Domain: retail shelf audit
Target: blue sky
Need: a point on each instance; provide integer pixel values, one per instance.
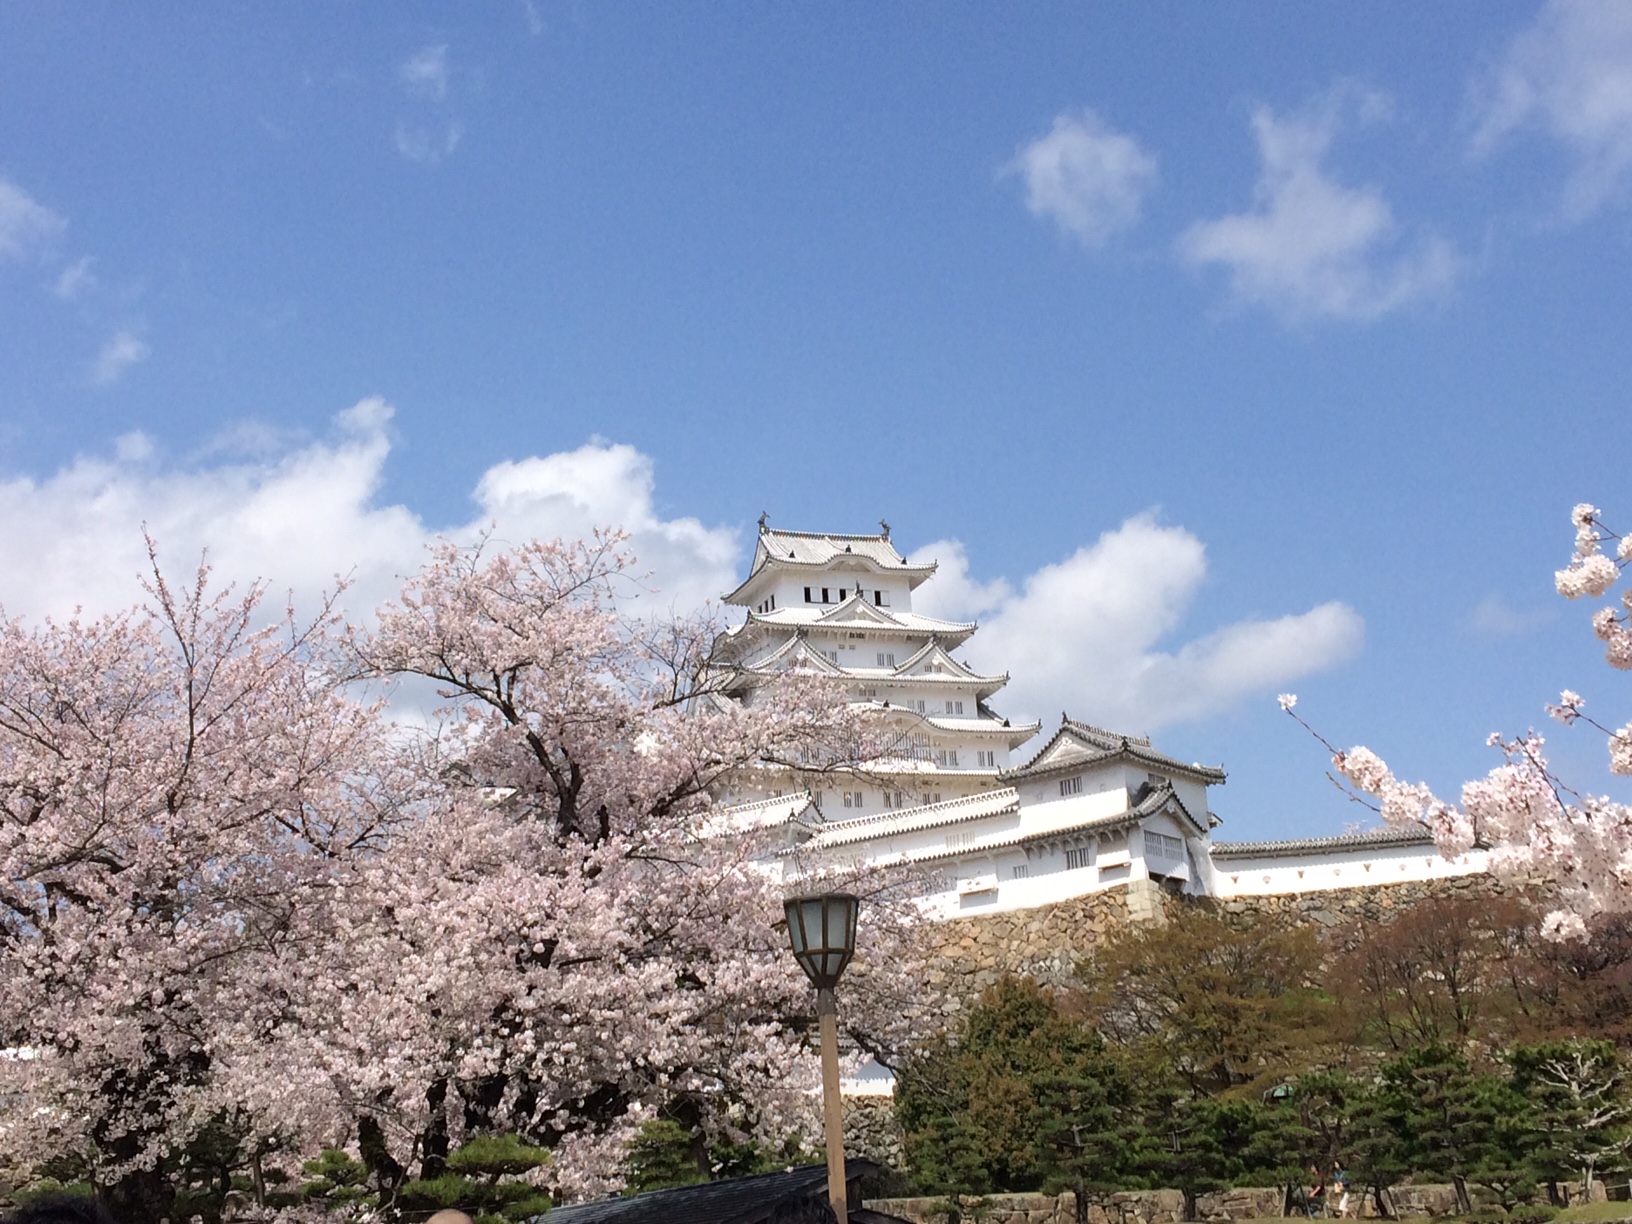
(1218, 349)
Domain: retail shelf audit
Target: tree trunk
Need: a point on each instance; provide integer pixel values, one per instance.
(1385, 1208)
(387, 1173)
(1463, 1203)
(142, 1197)
(259, 1174)
(433, 1147)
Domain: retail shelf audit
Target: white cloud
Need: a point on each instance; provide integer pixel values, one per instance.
(121, 352)
(304, 515)
(1311, 246)
(428, 145)
(25, 223)
(1085, 635)
(1494, 617)
(1088, 178)
(1570, 74)
(426, 72)
(535, 21)
(75, 279)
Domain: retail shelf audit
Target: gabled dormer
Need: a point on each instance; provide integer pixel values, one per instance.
(933, 665)
(795, 565)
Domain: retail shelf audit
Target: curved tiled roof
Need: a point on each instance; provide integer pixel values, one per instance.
(815, 550)
(1103, 745)
(1368, 839)
(909, 820)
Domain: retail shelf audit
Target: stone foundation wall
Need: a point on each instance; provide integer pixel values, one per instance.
(870, 1131)
(1374, 902)
(1167, 1206)
(1046, 942)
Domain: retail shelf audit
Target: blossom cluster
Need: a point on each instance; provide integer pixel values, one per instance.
(236, 899)
(1536, 829)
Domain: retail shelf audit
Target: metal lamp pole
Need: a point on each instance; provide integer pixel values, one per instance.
(823, 933)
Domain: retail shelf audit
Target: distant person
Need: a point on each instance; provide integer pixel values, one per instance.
(60, 1209)
(1317, 1192)
(449, 1216)
(1340, 1190)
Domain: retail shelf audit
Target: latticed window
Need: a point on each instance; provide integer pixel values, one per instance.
(1160, 845)
(1079, 856)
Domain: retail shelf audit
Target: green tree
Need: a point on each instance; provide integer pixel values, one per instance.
(662, 1155)
(1222, 1005)
(1021, 1096)
(1580, 1093)
(1452, 1122)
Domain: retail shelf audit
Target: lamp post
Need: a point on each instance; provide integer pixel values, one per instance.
(823, 933)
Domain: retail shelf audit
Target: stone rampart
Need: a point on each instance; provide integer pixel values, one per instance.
(1047, 941)
(1167, 1206)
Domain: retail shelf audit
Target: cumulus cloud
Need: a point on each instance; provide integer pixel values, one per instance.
(1087, 634)
(1086, 177)
(1570, 75)
(1311, 246)
(26, 225)
(302, 516)
(426, 72)
(122, 351)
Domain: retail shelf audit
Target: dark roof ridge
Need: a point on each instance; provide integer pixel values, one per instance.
(821, 535)
(1089, 728)
(1363, 839)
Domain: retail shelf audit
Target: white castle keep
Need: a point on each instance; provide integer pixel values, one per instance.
(1091, 809)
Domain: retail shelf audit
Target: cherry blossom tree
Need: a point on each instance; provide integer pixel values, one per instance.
(238, 904)
(561, 947)
(1538, 830)
(175, 788)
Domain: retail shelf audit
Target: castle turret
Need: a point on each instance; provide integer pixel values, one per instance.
(841, 605)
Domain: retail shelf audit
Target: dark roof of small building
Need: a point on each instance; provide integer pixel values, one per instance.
(1368, 839)
(735, 1200)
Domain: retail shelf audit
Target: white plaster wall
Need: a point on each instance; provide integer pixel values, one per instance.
(1315, 872)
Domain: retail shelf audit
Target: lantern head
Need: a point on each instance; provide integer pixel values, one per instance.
(823, 933)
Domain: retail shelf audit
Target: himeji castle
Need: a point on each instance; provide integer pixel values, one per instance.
(994, 825)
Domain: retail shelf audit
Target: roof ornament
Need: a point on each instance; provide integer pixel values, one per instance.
(763, 515)
(847, 548)
(884, 528)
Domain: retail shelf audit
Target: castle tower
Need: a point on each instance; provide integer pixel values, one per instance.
(841, 605)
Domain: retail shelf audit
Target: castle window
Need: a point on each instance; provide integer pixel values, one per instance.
(881, 599)
(920, 707)
(957, 841)
(1079, 856)
(986, 760)
(808, 599)
(825, 599)
(1071, 786)
(852, 799)
(1160, 845)
(886, 659)
(1020, 872)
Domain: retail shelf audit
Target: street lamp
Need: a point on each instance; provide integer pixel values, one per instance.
(823, 933)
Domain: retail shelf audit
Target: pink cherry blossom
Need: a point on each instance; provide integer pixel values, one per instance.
(1536, 829)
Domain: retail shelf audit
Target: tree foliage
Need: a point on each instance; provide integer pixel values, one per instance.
(244, 918)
